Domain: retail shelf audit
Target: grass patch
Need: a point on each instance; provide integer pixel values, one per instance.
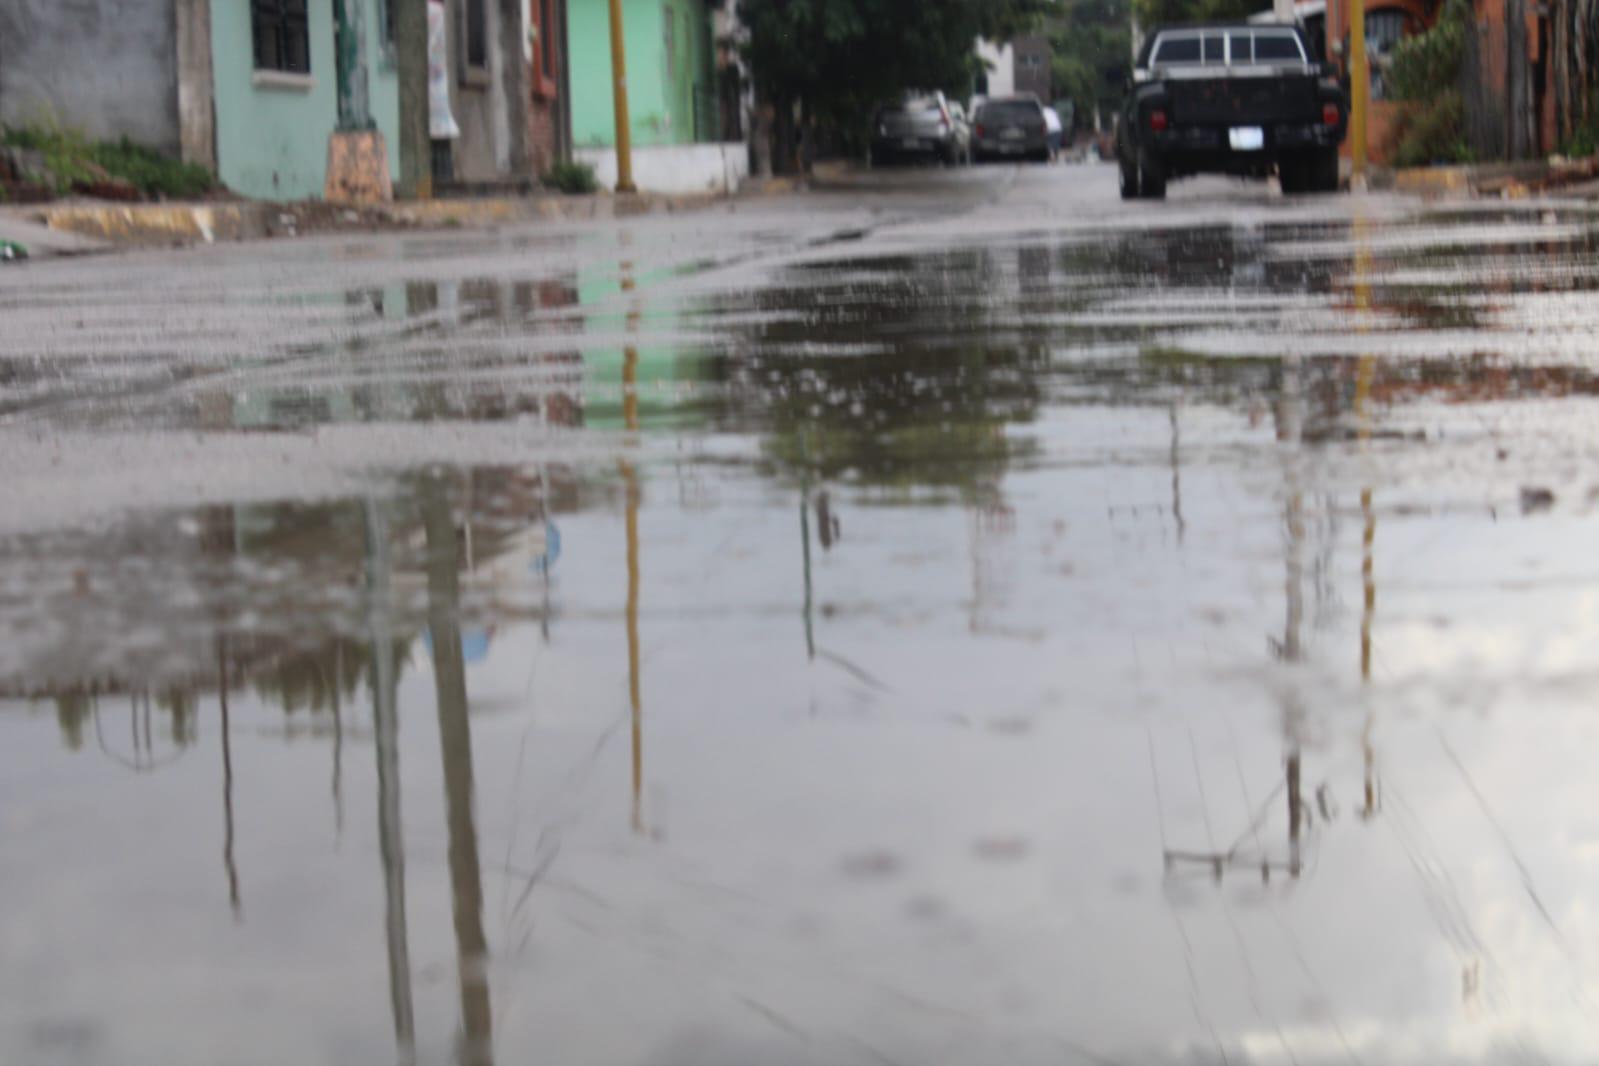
(1584, 140)
(72, 161)
(574, 179)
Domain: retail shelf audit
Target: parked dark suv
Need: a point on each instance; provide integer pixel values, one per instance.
(1235, 98)
(1010, 127)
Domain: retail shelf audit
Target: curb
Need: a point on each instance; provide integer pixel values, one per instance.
(1510, 181)
(182, 224)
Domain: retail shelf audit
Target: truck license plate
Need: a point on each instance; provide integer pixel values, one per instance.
(1246, 138)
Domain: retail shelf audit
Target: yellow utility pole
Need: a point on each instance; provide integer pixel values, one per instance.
(624, 138)
(1359, 86)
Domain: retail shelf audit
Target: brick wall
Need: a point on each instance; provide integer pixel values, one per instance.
(541, 134)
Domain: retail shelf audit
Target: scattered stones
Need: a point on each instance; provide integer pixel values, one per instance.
(1536, 499)
(872, 865)
(1001, 848)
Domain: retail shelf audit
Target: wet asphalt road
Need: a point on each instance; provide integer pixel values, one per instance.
(948, 617)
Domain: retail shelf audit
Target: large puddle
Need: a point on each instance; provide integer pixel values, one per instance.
(1146, 641)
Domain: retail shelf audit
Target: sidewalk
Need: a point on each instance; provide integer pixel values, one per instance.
(1510, 181)
(80, 226)
(39, 241)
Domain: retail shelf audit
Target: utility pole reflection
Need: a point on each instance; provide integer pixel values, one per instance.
(385, 728)
(228, 864)
(805, 557)
(455, 746)
(1291, 430)
(1365, 373)
(631, 484)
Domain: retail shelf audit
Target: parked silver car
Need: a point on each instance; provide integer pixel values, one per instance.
(1010, 127)
(920, 126)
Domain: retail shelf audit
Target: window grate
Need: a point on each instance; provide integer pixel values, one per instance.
(281, 35)
(476, 43)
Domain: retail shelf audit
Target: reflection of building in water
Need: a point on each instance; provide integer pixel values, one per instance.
(666, 375)
(1309, 534)
(298, 572)
(477, 349)
(893, 379)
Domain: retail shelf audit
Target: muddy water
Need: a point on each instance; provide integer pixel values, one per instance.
(1027, 634)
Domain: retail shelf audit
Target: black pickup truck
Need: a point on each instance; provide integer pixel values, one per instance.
(1232, 98)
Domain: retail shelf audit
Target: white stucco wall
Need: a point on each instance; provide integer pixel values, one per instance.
(675, 168)
(1001, 62)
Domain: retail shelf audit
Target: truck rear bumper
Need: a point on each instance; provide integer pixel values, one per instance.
(1212, 141)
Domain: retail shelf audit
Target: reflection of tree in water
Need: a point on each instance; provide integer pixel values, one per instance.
(884, 380)
(72, 711)
(180, 705)
(320, 679)
(300, 569)
(75, 710)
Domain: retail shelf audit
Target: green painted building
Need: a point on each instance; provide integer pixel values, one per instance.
(276, 95)
(670, 72)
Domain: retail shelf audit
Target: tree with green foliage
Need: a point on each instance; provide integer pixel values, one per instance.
(1092, 45)
(1160, 12)
(1425, 71)
(829, 63)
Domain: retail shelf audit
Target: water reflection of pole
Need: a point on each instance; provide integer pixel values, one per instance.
(1364, 375)
(1177, 477)
(455, 744)
(385, 726)
(630, 480)
(1291, 429)
(338, 739)
(805, 553)
(1368, 581)
(228, 864)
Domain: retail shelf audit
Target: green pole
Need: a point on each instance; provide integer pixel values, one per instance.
(349, 24)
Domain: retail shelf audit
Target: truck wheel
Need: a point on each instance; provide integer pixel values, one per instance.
(1151, 175)
(1291, 171)
(1323, 168)
(1129, 182)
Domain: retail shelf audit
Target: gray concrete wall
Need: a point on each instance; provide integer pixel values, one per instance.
(491, 110)
(106, 67)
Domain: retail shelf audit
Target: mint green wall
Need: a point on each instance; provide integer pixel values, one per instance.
(272, 142)
(661, 103)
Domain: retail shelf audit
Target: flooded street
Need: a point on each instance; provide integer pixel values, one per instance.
(941, 618)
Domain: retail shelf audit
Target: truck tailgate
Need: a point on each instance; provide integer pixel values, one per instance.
(1243, 101)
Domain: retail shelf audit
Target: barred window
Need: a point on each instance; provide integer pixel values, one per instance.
(475, 41)
(282, 35)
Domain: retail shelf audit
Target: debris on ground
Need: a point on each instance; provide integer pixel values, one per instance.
(11, 252)
(1535, 499)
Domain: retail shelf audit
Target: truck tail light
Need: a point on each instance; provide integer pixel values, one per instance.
(1157, 121)
(978, 130)
(1329, 114)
